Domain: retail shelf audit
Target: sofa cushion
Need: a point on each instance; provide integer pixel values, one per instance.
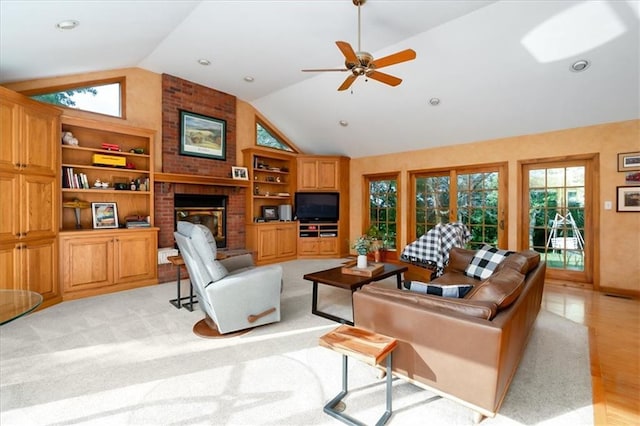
(451, 290)
(522, 261)
(477, 309)
(205, 247)
(501, 288)
(485, 261)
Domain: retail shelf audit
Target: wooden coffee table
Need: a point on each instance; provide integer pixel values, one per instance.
(334, 277)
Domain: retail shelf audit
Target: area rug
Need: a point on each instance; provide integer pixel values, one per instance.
(130, 358)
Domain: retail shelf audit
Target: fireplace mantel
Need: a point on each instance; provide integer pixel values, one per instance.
(200, 180)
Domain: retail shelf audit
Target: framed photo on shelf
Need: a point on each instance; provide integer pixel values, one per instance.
(628, 161)
(105, 215)
(628, 199)
(270, 212)
(202, 136)
(239, 173)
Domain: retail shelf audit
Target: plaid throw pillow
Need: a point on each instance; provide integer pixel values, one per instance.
(485, 261)
(451, 290)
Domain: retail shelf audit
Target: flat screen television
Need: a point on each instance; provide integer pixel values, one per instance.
(317, 206)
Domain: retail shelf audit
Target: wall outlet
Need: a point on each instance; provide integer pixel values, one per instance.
(607, 205)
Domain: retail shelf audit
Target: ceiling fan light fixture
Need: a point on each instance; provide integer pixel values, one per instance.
(580, 65)
(67, 24)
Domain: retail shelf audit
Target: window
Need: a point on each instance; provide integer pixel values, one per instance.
(264, 137)
(102, 97)
(478, 203)
(383, 208)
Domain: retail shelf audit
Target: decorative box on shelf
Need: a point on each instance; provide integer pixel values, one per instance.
(372, 269)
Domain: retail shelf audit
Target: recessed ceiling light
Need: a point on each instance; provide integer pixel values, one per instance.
(69, 24)
(434, 101)
(204, 62)
(249, 79)
(580, 65)
(343, 123)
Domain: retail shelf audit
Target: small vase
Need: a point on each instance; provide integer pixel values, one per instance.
(376, 256)
(362, 261)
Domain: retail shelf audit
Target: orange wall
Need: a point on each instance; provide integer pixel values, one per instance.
(619, 265)
(619, 232)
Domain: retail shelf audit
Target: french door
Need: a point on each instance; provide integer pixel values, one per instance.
(557, 216)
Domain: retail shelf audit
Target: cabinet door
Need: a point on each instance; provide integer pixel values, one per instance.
(86, 262)
(135, 257)
(9, 134)
(307, 174)
(40, 267)
(328, 246)
(9, 206)
(328, 174)
(10, 267)
(308, 246)
(39, 216)
(39, 141)
(287, 241)
(267, 243)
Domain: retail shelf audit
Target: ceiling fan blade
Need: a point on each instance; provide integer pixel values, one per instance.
(347, 83)
(384, 78)
(325, 69)
(348, 52)
(395, 58)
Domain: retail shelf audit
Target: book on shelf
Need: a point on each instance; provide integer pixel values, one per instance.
(138, 224)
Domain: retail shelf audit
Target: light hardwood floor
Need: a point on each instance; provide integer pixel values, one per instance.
(614, 343)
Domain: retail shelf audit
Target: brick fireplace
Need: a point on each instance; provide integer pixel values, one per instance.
(184, 95)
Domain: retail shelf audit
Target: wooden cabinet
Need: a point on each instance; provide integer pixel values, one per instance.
(29, 195)
(320, 173)
(30, 133)
(79, 163)
(96, 261)
(272, 176)
(326, 173)
(318, 240)
(273, 242)
(102, 261)
(31, 265)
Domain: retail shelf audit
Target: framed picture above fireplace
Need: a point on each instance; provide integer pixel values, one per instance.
(202, 136)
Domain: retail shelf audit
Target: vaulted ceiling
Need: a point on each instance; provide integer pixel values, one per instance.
(499, 68)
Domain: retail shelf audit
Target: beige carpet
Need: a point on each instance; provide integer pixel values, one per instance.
(131, 358)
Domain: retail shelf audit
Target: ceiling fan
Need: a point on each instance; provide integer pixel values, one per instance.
(362, 63)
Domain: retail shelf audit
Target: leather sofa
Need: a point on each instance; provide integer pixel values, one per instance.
(466, 349)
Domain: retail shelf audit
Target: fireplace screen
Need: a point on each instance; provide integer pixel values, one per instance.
(209, 211)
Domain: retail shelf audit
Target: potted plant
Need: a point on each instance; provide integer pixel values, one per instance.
(362, 246)
(376, 240)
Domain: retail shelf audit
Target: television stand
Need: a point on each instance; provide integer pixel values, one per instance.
(318, 239)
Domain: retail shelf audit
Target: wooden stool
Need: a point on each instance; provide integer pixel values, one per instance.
(365, 346)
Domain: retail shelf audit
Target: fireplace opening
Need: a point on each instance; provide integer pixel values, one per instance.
(207, 210)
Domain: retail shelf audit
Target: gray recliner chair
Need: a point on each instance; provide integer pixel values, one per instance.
(233, 294)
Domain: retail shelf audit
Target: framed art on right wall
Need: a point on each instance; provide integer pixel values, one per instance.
(628, 199)
(628, 161)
